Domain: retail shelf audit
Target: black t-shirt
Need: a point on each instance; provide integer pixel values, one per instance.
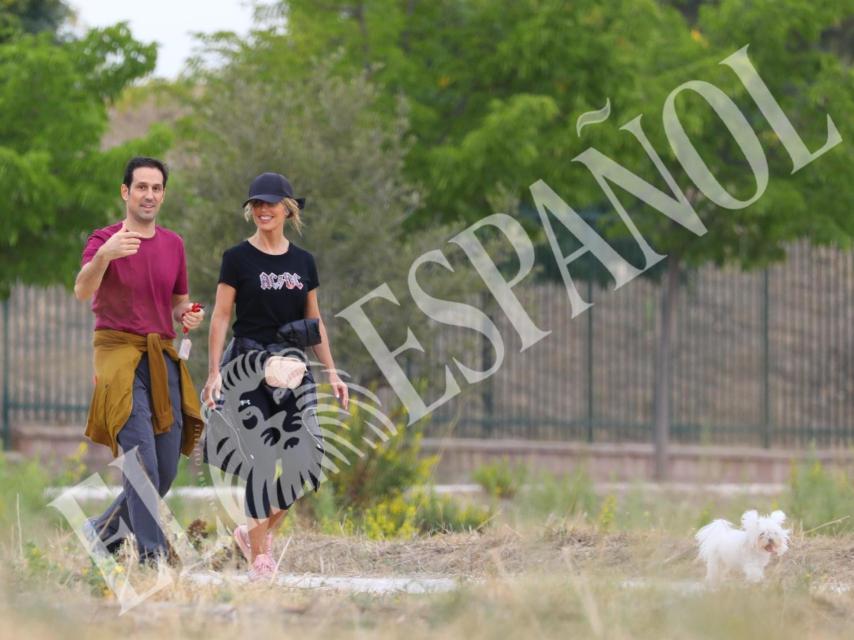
(271, 289)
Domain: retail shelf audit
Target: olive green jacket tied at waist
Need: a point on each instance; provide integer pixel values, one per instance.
(117, 354)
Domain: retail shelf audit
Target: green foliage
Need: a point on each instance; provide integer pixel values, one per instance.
(324, 134)
(785, 48)
(74, 468)
(607, 513)
(31, 16)
(385, 466)
(391, 518)
(823, 500)
(442, 513)
(35, 558)
(493, 86)
(21, 492)
(500, 479)
(58, 183)
(383, 489)
(494, 89)
(562, 496)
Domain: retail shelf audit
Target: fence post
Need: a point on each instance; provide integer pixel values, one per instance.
(590, 395)
(766, 362)
(7, 435)
(486, 395)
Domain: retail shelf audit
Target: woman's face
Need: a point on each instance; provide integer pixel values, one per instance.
(268, 217)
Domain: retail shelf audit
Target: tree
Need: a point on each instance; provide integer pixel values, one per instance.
(58, 184)
(495, 88)
(808, 81)
(31, 16)
(325, 136)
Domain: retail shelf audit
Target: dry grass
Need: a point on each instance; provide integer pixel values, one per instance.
(621, 568)
(550, 580)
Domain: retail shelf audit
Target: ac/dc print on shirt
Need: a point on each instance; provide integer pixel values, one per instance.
(273, 281)
(271, 289)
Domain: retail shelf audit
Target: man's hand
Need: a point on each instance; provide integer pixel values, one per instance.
(121, 244)
(192, 319)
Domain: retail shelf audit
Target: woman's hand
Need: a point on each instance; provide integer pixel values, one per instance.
(212, 390)
(342, 393)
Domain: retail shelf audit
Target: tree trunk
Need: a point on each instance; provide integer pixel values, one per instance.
(663, 368)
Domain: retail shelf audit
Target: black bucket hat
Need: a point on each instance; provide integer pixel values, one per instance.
(272, 188)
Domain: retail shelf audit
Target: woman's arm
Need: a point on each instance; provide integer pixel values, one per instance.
(324, 353)
(220, 319)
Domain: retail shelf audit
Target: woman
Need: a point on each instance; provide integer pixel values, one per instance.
(273, 284)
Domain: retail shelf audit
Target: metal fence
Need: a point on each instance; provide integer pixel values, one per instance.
(46, 358)
(764, 358)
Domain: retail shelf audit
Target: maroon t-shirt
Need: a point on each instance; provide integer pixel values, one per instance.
(136, 292)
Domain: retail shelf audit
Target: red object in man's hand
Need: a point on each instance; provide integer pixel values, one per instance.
(196, 307)
(184, 349)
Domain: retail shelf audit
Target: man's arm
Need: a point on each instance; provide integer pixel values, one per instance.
(119, 245)
(90, 276)
(180, 305)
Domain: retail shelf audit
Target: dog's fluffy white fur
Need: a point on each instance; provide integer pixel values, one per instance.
(724, 548)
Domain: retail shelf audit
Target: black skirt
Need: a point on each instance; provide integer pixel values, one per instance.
(268, 437)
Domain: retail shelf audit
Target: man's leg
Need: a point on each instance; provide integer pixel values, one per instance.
(106, 526)
(138, 433)
(159, 455)
(133, 431)
(168, 445)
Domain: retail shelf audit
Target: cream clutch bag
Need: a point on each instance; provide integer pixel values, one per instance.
(284, 372)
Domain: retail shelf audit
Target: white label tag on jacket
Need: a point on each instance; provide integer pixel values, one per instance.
(184, 349)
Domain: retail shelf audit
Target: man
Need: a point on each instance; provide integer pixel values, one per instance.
(144, 400)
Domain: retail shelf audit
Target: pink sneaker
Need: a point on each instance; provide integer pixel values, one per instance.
(241, 538)
(262, 568)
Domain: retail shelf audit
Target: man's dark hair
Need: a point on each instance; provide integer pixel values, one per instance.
(142, 161)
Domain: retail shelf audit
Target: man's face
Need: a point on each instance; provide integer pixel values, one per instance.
(145, 194)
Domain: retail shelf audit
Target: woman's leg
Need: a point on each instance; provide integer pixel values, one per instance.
(257, 536)
(259, 481)
(276, 519)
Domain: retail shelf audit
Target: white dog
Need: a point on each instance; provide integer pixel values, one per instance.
(724, 548)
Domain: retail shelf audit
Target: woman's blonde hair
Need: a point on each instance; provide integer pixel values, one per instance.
(292, 213)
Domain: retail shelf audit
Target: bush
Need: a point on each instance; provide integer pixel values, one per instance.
(381, 469)
(567, 495)
(391, 518)
(22, 488)
(74, 468)
(383, 490)
(500, 479)
(441, 514)
(818, 497)
(338, 152)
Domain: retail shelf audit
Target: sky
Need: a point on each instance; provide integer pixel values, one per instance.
(168, 22)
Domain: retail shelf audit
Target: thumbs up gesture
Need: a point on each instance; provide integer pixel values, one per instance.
(121, 244)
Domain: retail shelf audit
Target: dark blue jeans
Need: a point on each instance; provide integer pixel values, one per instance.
(158, 455)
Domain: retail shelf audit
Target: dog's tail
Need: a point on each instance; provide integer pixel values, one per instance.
(707, 536)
